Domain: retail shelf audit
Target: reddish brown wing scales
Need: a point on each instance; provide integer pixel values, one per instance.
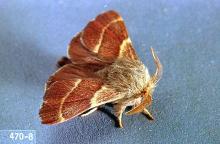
(50, 111)
(102, 41)
(69, 92)
(69, 72)
(67, 99)
(93, 32)
(79, 54)
(82, 95)
(106, 35)
(75, 88)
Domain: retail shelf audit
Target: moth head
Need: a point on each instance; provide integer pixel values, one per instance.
(148, 90)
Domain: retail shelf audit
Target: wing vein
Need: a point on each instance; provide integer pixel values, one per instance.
(96, 49)
(64, 98)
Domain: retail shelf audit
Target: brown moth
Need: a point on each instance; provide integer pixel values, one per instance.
(102, 67)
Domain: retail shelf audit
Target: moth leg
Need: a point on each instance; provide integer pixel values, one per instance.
(63, 61)
(119, 109)
(88, 112)
(148, 114)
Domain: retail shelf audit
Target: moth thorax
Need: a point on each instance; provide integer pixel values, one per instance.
(126, 76)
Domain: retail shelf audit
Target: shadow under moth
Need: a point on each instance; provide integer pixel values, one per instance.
(101, 67)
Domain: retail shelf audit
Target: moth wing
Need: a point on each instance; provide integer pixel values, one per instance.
(103, 40)
(69, 93)
(78, 54)
(73, 71)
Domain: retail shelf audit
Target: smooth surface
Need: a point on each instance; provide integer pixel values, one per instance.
(185, 35)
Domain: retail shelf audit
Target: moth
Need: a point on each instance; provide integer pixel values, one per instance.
(101, 67)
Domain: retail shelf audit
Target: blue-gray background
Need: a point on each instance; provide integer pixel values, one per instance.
(184, 33)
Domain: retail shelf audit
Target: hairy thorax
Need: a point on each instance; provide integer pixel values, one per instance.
(126, 77)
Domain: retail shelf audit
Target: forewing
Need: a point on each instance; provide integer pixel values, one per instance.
(80, 55)
(69, 93)
(73, 71)
(103, 40)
